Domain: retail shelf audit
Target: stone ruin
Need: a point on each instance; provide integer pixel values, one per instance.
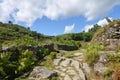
(110, 36)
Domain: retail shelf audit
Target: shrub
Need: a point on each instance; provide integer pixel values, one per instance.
(26, 61)
(2, 73)
(106, 73)
(52, 55)
(91, 55)
(42, 52)
(113, 60)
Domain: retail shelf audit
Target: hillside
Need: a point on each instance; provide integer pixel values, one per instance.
(12, 32)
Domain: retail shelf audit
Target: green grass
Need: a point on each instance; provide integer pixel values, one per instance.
(113, 60)
(49, 60)
(91, 55)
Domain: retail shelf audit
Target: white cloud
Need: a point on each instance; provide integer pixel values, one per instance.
(91, 9)
(30, 10)
(69, 29)
(102, 23)
(87, 27)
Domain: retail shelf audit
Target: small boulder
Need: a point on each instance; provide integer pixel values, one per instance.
(86, 68)
(99, 68)
(41, 72)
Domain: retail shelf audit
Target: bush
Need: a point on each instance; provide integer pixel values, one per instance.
(42, 52)
(92, 56)
(106, 73)
(52, 55)
(2, 73)
(26, 61)
(113, 60)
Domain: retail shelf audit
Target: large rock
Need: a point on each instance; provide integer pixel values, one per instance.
(41, 72)
(8, 48)
(56, 61)
(99, 68)
(102, 56)
(75, 78)
(86, 68)
(61, 68)
(82, 75)
(78, 54)
(65, 62)
(71, 72)
(109, 35)
(75, 64)
(67, 77)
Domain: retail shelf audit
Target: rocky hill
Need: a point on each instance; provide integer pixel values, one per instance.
(109, 35)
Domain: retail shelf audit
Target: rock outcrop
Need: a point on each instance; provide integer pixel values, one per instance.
(41, 72)
(109, 35)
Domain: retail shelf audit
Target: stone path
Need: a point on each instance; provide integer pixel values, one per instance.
(71, 68)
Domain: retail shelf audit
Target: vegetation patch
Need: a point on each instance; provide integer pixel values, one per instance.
(91, 55)
(48, 60)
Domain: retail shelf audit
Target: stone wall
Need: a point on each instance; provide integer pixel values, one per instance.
(110, 36)
(67, 48)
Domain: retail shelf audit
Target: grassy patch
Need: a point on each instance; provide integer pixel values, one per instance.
(114, 60)
(91, 55)
(49, 60)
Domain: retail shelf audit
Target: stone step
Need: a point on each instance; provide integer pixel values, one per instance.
(65, 63)
(67, 77)
(61, 68)
(75, 64)
(56, 61)
(71, 72)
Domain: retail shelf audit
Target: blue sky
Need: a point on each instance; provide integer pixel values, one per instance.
(54, 17)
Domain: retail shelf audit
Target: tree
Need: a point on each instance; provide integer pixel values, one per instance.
(28, 28)
(87, 36)
(94, 28)
(10, 22)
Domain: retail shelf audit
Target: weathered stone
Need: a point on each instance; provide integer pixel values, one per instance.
(86, 68)
(8, 48)
(99, 67)
(102, 57)
(78, 58)
(75, 78)
(71, 72)
(69, 68)
(81, 74)
(41, 72)
(67, 77)
(56, 61)
(75, 64)
(78, 54)
(58, 55)
(61, 68)
(110, 36)
(60, 72)
(65, 62)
